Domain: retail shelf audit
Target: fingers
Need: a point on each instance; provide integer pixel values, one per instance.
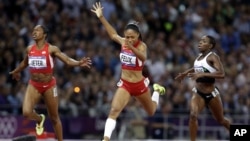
(94, 6)
(190, 74)
(85, 62)
(97, 5)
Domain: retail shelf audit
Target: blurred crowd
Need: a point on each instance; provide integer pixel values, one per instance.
(170, 28)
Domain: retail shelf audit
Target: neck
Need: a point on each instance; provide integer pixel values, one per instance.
(205, 52)
(40, 44)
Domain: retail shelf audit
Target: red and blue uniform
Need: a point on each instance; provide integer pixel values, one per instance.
(40, 61)
(129, 61)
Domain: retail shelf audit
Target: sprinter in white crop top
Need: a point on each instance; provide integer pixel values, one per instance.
(207, 68)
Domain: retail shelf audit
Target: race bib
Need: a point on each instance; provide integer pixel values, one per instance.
(37, 62)
(127, 59)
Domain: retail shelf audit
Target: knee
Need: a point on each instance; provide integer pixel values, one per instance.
(54, 119)
(151, 113)
(193, 117)
(114, 112)
(27, 113)
(222, 120)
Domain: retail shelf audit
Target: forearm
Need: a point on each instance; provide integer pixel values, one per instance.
(217, 75)
(20, 68)
(188, 71)
(111, 31)
(72, 62)
(139, 54)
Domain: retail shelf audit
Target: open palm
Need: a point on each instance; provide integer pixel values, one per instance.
(97, 9)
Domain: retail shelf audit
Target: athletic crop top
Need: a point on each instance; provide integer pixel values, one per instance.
(40, 60)
(203, 66)
(129, 60)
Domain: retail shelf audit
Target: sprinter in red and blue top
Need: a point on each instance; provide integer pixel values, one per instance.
(40, 60)
(132, 83)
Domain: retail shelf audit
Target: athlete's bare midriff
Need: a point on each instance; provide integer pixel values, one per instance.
(41, 77)
(132, 76)
(205, 87)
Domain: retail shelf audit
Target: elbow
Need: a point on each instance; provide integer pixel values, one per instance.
(112, 36)
(222, 75)
(142, 58)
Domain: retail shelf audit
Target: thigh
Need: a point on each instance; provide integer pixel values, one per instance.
(197, 104)
(216, 107)
(120, 99)
(31, 98)
(145, 100)
(51, 101)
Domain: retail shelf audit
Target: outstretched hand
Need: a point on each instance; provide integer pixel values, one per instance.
(85, 62)
(15, 75)
(194, 76)
(180, 76)
(97, 9)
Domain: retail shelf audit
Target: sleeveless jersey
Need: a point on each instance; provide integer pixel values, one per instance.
(203, 66)
(40, 60)
(129, 60)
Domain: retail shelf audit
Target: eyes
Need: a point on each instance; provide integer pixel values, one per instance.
(130, 37)
(130, 34)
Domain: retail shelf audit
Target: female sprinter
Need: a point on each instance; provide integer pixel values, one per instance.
(40, 60)
(132, 83)
(207, 68)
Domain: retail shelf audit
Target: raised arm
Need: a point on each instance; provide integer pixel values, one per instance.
(97, 9)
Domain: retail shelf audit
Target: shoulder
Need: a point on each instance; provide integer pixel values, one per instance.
(142, 44)
(53, 48)
(214, 55)
(30, 47)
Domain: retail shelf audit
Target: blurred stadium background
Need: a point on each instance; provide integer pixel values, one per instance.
(171, 29)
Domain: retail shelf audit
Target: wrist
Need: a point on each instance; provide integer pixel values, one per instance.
(184, 73)
(100, 16)
(14, 71)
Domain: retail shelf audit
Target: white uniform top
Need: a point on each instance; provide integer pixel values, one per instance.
(202, 65)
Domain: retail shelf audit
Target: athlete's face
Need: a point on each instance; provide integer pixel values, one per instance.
(131, 36)
(38, 33)
(204, 44)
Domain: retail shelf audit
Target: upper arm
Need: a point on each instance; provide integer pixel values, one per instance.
(55, 51)
(26, 58)
(216, 62)
(118, 39)
(143, 48)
